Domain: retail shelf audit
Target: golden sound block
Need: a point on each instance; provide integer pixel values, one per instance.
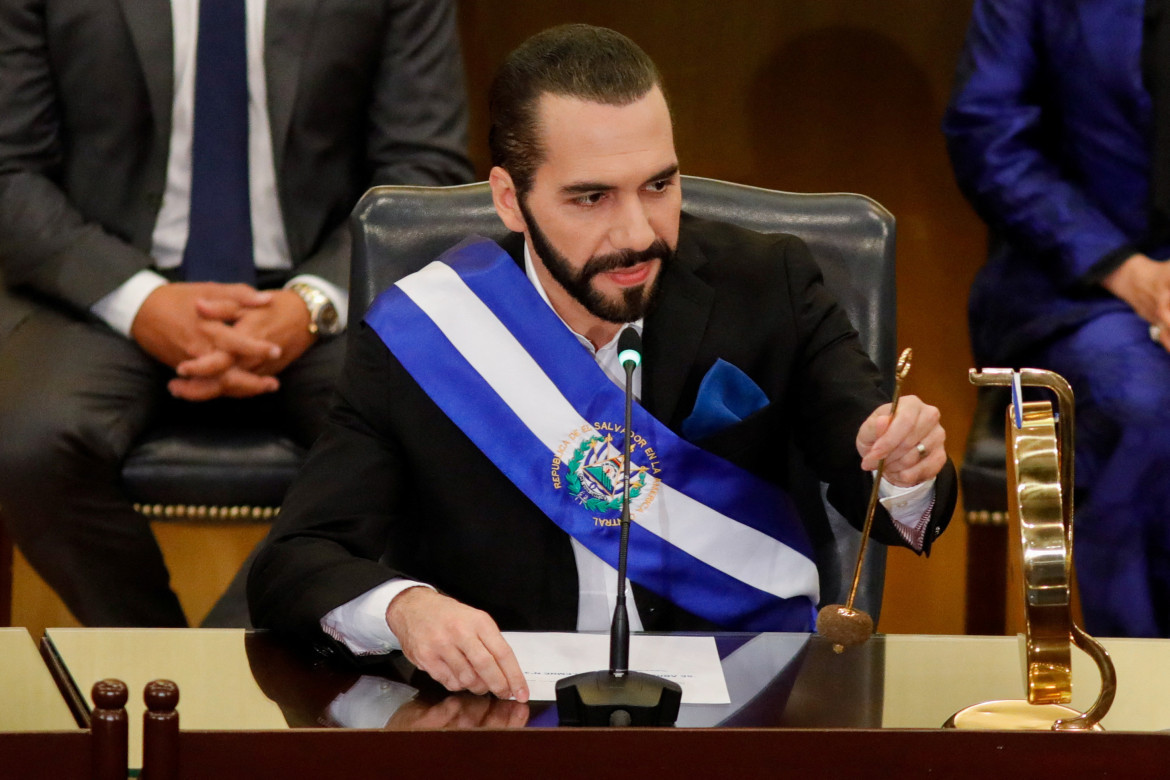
(1013, 715)
(1040, 522)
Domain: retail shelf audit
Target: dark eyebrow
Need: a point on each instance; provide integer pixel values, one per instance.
(580, 188)
(665, 173)
(585, 186)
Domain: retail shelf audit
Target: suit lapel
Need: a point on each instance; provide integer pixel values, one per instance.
(149, 22)
(287, 28)
(674, 330)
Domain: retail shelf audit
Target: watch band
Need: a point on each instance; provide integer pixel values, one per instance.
(323, 319)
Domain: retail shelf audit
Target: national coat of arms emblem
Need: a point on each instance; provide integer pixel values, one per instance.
(595, 475)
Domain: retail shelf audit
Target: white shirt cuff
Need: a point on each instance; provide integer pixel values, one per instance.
(119, 308)
(360, 623)
(337, 296)
(909, 507)
(370, 703)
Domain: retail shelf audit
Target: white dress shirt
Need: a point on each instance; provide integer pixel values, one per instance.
(269, 244)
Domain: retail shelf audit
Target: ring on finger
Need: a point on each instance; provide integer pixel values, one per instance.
(1156, 332)
(920, 448)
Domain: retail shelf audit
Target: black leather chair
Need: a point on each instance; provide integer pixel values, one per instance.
(211, 466)
(397, 230)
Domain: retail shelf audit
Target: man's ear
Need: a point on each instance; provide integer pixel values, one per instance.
(506, 199)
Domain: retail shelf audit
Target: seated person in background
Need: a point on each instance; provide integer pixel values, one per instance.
(1059, 133)
(175, 179)
(480, 406)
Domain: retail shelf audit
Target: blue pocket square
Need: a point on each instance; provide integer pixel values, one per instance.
(726, 396)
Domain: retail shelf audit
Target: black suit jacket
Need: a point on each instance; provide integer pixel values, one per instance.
(393, 478)
(360, 92)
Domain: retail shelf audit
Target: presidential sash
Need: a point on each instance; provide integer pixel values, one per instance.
(475, 334)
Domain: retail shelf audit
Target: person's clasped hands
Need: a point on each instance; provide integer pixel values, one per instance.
(222, 339)
(1144, 283)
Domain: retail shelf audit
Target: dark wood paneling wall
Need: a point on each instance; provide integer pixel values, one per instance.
(814, 96)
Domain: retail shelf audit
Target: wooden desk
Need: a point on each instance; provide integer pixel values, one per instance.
(236, 681)
(210, 666)
(39, 736)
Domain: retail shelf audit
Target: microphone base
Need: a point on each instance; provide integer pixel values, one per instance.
(607, 699)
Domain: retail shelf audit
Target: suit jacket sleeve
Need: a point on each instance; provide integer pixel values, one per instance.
(417, 116)
(46, 244)
(835, 389)
(338, 518)
(1001, 150)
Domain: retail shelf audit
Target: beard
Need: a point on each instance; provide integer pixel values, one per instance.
(633, 303)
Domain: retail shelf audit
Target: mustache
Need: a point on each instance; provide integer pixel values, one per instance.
(625, 258)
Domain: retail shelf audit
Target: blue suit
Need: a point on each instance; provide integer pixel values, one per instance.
(1049, 132)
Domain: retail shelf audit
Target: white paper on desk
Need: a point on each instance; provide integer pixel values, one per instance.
(691, 661)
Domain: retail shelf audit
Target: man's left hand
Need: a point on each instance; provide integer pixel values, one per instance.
(912, 445)
(283, 321)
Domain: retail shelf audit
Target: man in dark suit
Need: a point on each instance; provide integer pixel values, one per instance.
(411, 485)
(175, 178)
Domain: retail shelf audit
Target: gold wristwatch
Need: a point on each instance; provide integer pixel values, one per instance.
(323, 319)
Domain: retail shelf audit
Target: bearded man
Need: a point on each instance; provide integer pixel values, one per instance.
(460, 487)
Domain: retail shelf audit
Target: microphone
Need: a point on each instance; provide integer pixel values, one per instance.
(619, 697)
(630, 357)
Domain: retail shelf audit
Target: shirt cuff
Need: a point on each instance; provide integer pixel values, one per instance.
(119, 308)
(337, 296)
(1109, 263)
(370, 703)
(360, 623)
(910, 509)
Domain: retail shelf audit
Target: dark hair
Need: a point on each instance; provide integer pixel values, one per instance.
(572, 60)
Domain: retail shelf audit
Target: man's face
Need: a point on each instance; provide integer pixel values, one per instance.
(602, 214)
(630, 302)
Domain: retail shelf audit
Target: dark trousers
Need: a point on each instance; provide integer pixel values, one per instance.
(1121, 527)
(74, 397)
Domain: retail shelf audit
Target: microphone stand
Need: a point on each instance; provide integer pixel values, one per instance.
(619, 697)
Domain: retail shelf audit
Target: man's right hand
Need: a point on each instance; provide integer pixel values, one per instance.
(460, 647)
(460, 711)
(1144, 284)
(169, 327)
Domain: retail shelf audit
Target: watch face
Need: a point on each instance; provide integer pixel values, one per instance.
(327, 321)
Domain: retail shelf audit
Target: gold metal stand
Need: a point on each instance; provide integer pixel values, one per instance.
(1040, 509)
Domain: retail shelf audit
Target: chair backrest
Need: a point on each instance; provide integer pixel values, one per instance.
(397, 230)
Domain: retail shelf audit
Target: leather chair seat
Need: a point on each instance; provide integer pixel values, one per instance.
(211, 472)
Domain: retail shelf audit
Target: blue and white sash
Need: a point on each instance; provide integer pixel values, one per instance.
(707, 535)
